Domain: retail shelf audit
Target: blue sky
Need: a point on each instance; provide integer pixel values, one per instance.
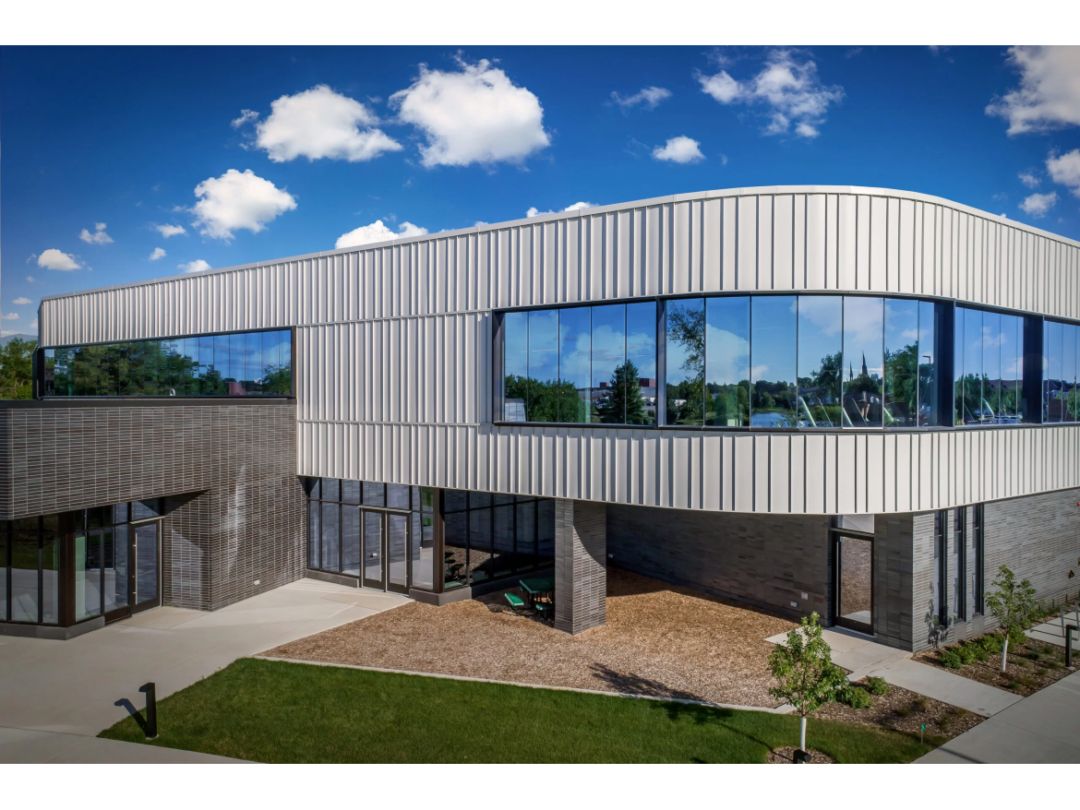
(337, 139)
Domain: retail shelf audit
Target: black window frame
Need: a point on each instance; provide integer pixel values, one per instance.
(960, 568)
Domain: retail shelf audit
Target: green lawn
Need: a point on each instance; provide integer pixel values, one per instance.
(272, 711)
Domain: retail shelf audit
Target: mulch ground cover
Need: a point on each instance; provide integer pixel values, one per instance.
(904, 711)
(659, 640)
(1031, 666)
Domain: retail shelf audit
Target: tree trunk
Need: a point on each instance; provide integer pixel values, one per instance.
(1005, 652)
(802, 733)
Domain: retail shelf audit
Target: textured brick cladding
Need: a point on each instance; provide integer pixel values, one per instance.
(235, 507)
(580, 565)
(764, 560)
(893, 580)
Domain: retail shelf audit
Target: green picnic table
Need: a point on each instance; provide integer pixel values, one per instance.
(537, 587)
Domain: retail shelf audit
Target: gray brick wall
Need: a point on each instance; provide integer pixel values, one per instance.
(893, 580)
(235, 505)
(580, 565)
(764, 560)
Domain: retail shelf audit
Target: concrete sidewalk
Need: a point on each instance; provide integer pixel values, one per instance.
(85, 685)
(1042, 728)
(21, 747)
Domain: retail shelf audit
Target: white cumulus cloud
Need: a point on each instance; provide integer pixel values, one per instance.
(319, 123)
(679, 150)
(1029, 178)
(196, 266)
(22, 300)
(648, 97)
(159, 253)
(170, 230)
(472, 115)
(238, 200)
(98, 237)
(246, 117)
(536, 212)
(1037, 205)
(1049, 93)
(788, 87)
(1065, 169)
(53, 259)
(377, 232)
(30, 279)
(11, 316)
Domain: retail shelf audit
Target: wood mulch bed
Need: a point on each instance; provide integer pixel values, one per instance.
(660, 640)
(1031, 666)
(904, 711)
(785, 756)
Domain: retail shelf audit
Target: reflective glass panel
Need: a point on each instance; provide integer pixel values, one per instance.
(1068, 373)
(641, 363)
(515, 366)
(455, 548)
(24, 570)
(975, 411)
(993, 339)
(373, 560)
(864, 361)
(5, 529)
(397, 538)
(331, 489)
(901, 362)
(686, 361)
(146, 563)
(397, 496)
(331, 551)
(374, 493)
(350, 540)
(572, 392)
(727, 362)
(422, 550)
(350, 492)
(543, 404)
(314, 533)
(612, 384)
(928, 382)
(772, 361)
(116, 569)
(820, 351)
(480, 531)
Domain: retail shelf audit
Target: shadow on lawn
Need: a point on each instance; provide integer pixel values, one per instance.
(636, 685)
(135, 713)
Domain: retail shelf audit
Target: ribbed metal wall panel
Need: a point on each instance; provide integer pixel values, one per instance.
(773, 239)
(832, 473)
(394, 353)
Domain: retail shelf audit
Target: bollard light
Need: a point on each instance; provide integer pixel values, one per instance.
(151, 709)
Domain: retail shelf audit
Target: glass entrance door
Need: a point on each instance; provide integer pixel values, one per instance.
(854, 591)
(397, 541)
(374, 542)
(146, 570)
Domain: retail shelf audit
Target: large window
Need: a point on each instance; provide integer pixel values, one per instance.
(808, 361)
(253, 363)
(581, 365)
(345, 529)
(489, 536)
(1061, 353)
(988, 368)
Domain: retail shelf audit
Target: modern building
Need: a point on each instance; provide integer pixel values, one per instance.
(854, 401)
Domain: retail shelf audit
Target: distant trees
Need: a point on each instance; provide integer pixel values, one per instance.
(16, 369)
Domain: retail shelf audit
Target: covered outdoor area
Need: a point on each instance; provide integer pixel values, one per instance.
(659, 640)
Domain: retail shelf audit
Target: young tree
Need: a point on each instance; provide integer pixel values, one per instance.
(1013, 605)
(803, 668)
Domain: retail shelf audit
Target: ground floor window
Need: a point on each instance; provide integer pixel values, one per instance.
(941, 597)
(960, 568)
(383, 534)
(978, 576)
(489, 536)
(65, 568)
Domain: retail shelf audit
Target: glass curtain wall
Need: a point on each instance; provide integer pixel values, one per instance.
(581, 365)
(1061, 372)
(248, 364)
(490, 536)
(809, 361)
(336, 523)
(30, 570)
(989, 368)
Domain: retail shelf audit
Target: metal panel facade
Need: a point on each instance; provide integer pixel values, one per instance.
(394, 346)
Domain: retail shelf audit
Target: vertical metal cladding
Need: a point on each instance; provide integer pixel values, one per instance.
(394, 356)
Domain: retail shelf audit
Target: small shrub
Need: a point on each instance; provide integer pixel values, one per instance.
(1014, 686)
(855, 697)
(991, 643)
(1020, 662)
(1042, 672)
(923, 703)
(950, 658)
(959, 712)
(1028, 681)
(1035, 655)
(903, 711)
(1053, 665)
(966, 653)
(1017, 637)
(979, 651)
(877, 686)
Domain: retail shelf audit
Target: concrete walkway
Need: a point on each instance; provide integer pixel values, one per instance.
(85, 685)
(1042, 728)
(864, 658)
(1052, 633)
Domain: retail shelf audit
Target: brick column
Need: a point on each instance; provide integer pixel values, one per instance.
(580, 565)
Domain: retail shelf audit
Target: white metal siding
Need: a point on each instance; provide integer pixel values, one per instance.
(394, 358)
